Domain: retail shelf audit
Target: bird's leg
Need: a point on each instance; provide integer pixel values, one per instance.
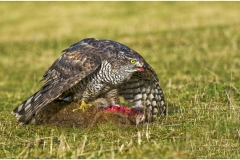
(113, 97)
(83, 100)
(82, 106)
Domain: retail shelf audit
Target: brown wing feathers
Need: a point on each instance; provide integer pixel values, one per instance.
(65, 72)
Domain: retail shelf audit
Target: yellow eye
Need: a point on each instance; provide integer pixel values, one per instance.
(132, 61)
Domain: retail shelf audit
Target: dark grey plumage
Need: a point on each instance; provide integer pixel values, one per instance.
(93, 69)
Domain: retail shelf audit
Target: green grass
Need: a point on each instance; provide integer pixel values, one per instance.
(194, 48)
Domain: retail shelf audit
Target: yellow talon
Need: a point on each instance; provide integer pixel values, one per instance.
(82, 106)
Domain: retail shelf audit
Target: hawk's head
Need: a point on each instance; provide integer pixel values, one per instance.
(128, 62)
(134, 65)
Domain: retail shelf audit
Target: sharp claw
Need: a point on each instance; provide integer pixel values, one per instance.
(82, 106)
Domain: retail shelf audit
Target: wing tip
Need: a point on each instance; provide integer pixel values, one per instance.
(16, 114)
(13, 113)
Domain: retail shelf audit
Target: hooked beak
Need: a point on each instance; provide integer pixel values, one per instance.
(141, 67)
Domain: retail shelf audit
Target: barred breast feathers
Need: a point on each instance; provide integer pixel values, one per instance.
(78, 65)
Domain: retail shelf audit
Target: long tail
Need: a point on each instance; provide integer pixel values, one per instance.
(144, 89)
(26, 111)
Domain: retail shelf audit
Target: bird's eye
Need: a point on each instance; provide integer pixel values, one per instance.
(132, 61)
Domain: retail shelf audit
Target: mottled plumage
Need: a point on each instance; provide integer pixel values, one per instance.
(91, 69)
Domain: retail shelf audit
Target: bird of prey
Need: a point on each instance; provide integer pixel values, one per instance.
(91, 69)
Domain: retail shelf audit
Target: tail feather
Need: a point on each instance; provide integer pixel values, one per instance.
(145, 92)
(21, 111)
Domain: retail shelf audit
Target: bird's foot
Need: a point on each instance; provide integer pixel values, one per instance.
(82, 106)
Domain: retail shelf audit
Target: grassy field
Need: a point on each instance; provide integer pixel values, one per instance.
(193, 46)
